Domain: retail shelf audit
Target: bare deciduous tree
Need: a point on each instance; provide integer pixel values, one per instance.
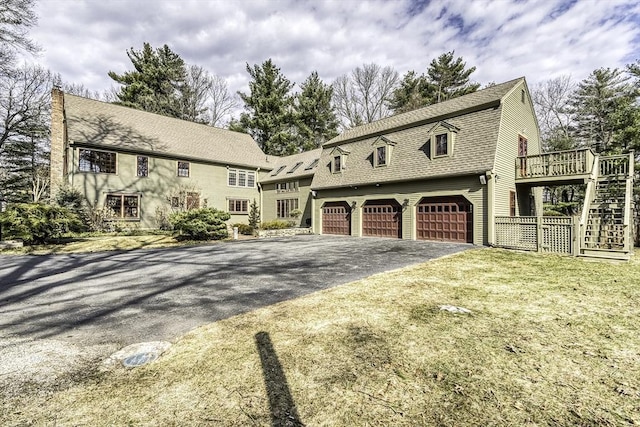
(222, 103)
(551, 99)
(362, 96)
(207, 98)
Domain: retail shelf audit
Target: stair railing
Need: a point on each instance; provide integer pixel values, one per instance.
(589, 195)
(628, 203)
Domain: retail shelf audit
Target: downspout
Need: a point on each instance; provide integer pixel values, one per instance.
(491, 218)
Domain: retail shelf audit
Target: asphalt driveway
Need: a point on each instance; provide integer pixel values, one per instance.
(143, 295)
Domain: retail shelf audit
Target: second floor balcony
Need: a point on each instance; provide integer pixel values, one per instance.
(565, 167)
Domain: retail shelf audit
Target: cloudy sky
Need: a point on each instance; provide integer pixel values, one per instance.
(539, 39)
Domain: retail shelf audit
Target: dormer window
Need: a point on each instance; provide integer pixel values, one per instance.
(443, 136)
(337, 164)
(381, 156)
(442, 146)
(338, 160)
(382, 151)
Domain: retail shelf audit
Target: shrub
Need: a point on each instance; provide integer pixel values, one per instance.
(254, 214)
(200, 224)
(72, 199)
(245, 229)
(36, 223)
(276, 224)
(295, 213)
(162, 219)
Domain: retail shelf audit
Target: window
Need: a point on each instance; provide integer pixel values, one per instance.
(287, 187)
(285, 206)
(280, 169)
(183, 169)
(193, 201)
(512, 203)
(143, 166)
(522, 96)
(238, 206)
(293, 169)
(337, 164)
(241, 178)
(97, 161)
(381, 156)
(442, 145)
(124, 206)
(312, 165)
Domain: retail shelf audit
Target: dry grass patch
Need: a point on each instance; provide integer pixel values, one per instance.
(101, 243)
(551, 341)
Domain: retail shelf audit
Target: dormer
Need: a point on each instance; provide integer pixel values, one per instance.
(443, 138)
(382, 149)
(338, 160)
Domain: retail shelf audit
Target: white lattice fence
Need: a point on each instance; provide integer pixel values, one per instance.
(551, 234)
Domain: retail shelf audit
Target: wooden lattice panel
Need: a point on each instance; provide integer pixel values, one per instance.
(517, 233)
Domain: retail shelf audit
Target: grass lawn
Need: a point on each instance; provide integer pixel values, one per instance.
(105, 242)
(551, 341)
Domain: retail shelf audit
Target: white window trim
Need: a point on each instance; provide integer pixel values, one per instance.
(249, 176)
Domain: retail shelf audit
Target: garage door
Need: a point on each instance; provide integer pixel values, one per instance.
(382, 218)
(336, 218)
(445, 218)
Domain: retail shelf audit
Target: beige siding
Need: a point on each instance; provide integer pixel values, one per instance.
(270, 197)
(517, 118)
(409, 195)
(207, 179)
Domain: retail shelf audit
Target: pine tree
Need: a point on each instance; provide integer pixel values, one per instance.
(599, 107)
(447, 78)
(269, 116)
(24, 130)
(408, 96)
(316, 119)
(157, 84)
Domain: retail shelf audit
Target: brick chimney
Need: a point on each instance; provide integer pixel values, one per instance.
(58, 142)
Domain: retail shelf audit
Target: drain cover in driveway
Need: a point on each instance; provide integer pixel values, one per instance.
(139, 359)
(136, 355)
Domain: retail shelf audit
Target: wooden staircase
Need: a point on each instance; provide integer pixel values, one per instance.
(606, 230)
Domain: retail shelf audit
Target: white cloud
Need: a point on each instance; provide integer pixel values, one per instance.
(504, 39)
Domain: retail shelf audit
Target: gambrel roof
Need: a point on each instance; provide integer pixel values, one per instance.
(104, 125)
(476, 117)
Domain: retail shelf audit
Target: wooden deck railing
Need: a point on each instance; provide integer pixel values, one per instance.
(556, 164)
(615, 165)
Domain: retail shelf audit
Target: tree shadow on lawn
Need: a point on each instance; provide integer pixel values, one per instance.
(283, 409)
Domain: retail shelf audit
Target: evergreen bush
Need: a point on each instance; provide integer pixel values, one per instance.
(245, 229)
(200, 224)
(36, 223)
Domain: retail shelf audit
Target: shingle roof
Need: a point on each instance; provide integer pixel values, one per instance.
(412, 118)
(103, 124)
(477, 116)
(285, 168)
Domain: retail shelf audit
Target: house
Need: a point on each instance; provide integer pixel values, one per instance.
(469, 169)
(442, 172)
